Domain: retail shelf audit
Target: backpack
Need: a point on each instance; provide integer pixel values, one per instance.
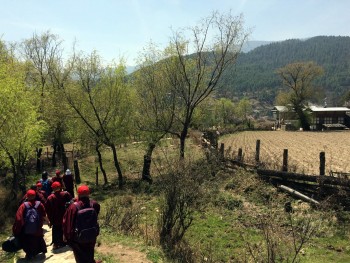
(12, 244)
(46, 186)
(31, 218)
(86, 226)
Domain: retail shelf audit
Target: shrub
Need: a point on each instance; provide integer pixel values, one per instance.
(182, 195)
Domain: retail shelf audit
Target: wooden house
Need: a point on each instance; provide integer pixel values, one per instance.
(321, 118)
(329, 118)
(285, 117)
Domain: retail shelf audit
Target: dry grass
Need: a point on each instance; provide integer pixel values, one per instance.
(303, 148)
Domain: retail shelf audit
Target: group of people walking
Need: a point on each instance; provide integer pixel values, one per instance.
(73, 219)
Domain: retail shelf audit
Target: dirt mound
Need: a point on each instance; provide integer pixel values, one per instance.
(123, 254)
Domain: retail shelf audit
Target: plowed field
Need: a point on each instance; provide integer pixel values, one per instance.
(303, 149)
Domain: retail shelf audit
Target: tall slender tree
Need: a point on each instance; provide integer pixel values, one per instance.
(43, 54)
(156, 104)
(197, 59)
(100, 98)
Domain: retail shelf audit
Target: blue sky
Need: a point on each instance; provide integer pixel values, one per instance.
(122, 28)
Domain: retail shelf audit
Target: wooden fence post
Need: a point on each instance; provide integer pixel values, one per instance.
(77, 172)
(257, 152)
(322, 163)
(285, 160)
(240, 155)
(65, 162)
(222, 150)
(322, 171)
(96, 176)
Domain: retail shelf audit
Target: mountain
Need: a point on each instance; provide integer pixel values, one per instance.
(254, 76)
(250, 45)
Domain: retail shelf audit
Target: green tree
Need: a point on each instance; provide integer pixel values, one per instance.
(20, 128)
(101, 99)
(225, 111)
(299, 77)
(243, 110)
(197, 59)
(46, 74)
(155, 106)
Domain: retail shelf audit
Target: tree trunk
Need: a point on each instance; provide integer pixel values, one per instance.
(97, 148)
(53, 161)
(117, 166)
(77, 172)
(15, 177)
(183, 141)
(147, 160)
(38, 159)
(303, 120)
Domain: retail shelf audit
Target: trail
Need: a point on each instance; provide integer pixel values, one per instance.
(120, 253)
(64, 254)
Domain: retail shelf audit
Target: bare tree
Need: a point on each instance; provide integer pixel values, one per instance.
(197, 59)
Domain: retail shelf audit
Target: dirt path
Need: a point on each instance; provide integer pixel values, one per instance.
(121, 253)
(60, 255)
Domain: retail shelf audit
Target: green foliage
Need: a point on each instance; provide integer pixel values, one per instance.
(228, 202)
(20, 129)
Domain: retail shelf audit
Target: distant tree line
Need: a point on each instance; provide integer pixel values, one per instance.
(254, 73)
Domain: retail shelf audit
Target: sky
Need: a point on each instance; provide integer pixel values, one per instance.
(117, 28)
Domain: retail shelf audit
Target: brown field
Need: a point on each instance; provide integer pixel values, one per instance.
(303, 149)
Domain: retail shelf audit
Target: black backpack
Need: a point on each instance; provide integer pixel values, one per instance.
(86, 226)
(31, 218)
(12, 244)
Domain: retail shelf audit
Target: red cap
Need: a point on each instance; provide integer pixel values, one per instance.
(31, 192)
(39, 184)
(58, 172)
(56, 185)
(83, 190)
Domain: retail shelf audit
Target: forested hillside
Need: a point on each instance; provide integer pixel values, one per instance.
(254, 74)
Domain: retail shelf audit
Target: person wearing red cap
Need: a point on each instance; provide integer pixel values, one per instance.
(40, 192)
(55, 208)
(57, 178)
(38, 197)
(83, 252)
(32, 241)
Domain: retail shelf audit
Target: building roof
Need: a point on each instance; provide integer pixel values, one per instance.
(280, 108)
(322, 109)
(334, 125)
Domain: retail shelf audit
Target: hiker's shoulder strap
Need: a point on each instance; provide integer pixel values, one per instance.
(37, 203)
(77, 205)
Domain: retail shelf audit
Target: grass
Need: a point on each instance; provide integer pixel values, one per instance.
(236, 203)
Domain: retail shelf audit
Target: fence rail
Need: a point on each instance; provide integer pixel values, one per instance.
(320, 183)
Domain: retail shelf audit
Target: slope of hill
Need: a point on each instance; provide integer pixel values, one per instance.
(254, 74)
(253, 44)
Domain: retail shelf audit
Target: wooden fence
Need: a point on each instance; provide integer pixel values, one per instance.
(321, 184)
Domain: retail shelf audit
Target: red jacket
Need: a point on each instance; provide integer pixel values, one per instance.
(19, 220)
(69, 216)
(55, 206)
